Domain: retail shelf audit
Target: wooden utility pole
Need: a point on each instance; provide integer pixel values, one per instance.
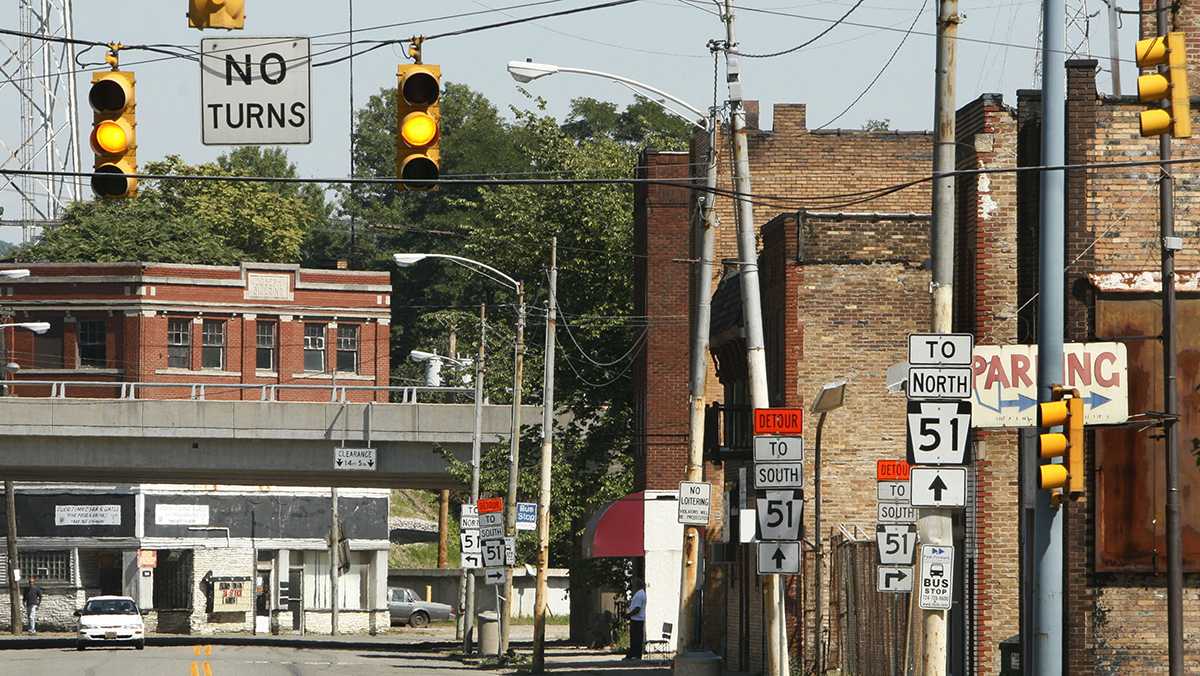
(543, 519)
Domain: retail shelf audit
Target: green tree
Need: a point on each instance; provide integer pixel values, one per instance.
(193, 221)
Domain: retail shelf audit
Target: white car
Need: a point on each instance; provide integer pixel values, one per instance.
(111, 619)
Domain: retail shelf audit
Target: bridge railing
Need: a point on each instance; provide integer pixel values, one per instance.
(58, 389)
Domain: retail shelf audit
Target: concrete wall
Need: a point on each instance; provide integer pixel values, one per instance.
(444, 584)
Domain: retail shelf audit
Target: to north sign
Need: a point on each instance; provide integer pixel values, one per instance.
(255, 91)
(939, 382)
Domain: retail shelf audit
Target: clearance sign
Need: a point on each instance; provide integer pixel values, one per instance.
(1006, 383)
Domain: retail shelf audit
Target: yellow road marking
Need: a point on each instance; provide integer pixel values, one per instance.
(195, 668)
(208, 650)
(208, 668)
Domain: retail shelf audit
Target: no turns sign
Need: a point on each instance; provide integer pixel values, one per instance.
(255, 91)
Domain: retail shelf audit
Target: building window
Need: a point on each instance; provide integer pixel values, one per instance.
(48, 347)
(91, 344)
(347, 348)
(49, 566)
(212, 353)
(314, 347)
(264, 346)
(179, 343)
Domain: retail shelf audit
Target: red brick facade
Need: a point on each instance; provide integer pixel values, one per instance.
(132, 306)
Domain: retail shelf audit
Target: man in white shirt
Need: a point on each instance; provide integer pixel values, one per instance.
(637, 620)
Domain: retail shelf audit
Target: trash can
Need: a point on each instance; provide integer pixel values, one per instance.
(487, 627)
(1010, 656)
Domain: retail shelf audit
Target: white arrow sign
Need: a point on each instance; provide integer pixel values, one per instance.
(493, 576)
(779, 515)
(778, 557)
(939, 486)
(894, 578)
(938, 432)
(472, 560)
(937, 577)
(897, 544)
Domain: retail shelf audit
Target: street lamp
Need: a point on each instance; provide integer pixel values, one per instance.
(405, 260)
(831, 396)
(528, 71)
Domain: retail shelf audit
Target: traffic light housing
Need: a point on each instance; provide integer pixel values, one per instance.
(418, 124)
(1170, 87)
(114, 133)
(229, 14)
(1065, 409)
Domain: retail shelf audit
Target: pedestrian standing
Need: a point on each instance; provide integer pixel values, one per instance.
(33, 599)
(637, 620)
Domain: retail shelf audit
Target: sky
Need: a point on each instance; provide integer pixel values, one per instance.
(659, 42)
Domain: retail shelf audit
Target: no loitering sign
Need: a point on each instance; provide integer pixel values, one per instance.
(255, 91)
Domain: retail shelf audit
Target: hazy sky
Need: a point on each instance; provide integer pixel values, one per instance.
(660, 42)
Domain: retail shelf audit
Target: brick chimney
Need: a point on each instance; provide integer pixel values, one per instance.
(751, 113)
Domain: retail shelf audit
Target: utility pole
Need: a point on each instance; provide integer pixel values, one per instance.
(10, 513)
(467, 590)
(756, 364)
(1048, 596)
(334, 536)
(514, 451)
(705, 238)
(936, 526)
(1170, 244)
(444, 494)
(543, 522)
(1114, 48)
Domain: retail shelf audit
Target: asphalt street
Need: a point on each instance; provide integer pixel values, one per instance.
(222, 660)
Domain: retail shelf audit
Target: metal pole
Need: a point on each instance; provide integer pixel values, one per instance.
(468, 588)
(936, 526)
(333, 562)
(698, 367)
(756, 366)
(1048, 519)
(1114, 48)
(1170, 243)
(10, 510)
(543, 523)
(514, 450)
(820, 544)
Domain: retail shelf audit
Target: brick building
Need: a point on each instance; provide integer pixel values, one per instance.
(213, 557)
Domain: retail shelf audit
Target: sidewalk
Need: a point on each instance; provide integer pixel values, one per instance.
(400, 639)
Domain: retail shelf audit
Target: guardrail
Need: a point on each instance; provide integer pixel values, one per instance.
(266, 392)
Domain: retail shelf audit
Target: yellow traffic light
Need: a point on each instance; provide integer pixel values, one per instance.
(114, 136)
(1066, 410)
(418, 124)
(229, 14)
(1170, 88)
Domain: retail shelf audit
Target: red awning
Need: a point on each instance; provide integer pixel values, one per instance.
(617, 529)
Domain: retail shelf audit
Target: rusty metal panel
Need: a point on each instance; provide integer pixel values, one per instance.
(1129, 460)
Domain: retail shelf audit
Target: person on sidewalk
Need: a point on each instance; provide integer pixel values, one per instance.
(637, 620)
(33, 599)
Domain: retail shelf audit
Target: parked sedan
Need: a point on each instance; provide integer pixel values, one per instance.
(408, 608)
(110, 619)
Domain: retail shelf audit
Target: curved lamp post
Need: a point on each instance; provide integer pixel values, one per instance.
(510, 506)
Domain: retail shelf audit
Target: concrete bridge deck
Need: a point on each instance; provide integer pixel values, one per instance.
(239, 442)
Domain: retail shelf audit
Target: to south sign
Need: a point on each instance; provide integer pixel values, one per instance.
(778, 475)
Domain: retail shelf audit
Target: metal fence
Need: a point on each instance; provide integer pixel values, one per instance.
(62, 389)
(870, 628)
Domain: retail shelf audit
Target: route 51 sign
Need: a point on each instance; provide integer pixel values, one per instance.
(779, 515)
(897, 543)
(939, 432)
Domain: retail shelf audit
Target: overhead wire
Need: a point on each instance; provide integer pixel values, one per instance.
(808, 42)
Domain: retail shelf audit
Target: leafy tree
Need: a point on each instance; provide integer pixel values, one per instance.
(193, 221)
(643, 123)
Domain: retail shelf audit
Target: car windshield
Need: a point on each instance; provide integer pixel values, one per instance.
(110, 607)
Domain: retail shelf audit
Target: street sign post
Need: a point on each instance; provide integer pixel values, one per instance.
(939, 486)
(937, 577)
(894, 579)
(695, 500)
(255, 91)
(778, 558)
(897, 544)
(780, 514)
(939, 432)
(771, 448)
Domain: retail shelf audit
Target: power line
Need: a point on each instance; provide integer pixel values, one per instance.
(878, 75)
(808, 42)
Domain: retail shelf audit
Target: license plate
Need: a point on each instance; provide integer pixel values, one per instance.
(110, 635)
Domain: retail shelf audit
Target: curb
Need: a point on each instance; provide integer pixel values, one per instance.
(379, 645)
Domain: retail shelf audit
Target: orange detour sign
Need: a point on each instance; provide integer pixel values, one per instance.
(489, 505)
(891, 470)
(781, 421)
